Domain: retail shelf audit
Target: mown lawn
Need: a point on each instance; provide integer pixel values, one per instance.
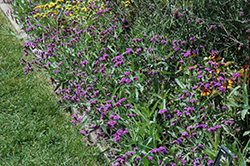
(34, 130)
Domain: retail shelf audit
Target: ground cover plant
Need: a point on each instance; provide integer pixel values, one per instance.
(34, 129)
(164, 82)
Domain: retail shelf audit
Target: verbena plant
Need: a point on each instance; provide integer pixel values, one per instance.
(164, 82)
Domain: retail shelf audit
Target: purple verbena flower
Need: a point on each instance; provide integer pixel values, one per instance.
(162, 111)
(210, 162)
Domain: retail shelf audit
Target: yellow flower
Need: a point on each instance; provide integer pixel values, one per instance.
(227, 64)
(229, 86)
(214, 92)
(37, 7)
(218, 71)
(51, 4)
(58, 7)
(127, 2)
(34, 16)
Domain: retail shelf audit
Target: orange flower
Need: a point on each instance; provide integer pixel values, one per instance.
(242, 71)
(193, 55)
(214, 57)
(217, 58)
(228, 86)
(245, 67)
(205, 92)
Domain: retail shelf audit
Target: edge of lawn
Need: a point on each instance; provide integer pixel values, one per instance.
(35, 130)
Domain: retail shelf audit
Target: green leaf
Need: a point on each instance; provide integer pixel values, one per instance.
(132, 65)
(102, 101)
(101, 89)
(84, 120)
(239, 105)
(246, 148)
(142, 78)
(114, 92)
(58, 85)
(181, 130)
(165, 72)
(164, 104)
(180, 83)
(156, 84)
(147, 141)
(246, 133)
(104, 128)
(156, 95)
(136, 96)
(245, 95)
(234, 90)
(154, 108)
(165, 94)
(234, 146)
(170, 54)
(145, 161)
(243, 162)
(139, 113)
(243, 113)
(142, 128)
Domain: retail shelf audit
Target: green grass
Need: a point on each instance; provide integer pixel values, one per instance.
(34, 130)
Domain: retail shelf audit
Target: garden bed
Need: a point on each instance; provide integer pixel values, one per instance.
(163, 83)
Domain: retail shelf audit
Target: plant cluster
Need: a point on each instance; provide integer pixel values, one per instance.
(165, 83)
